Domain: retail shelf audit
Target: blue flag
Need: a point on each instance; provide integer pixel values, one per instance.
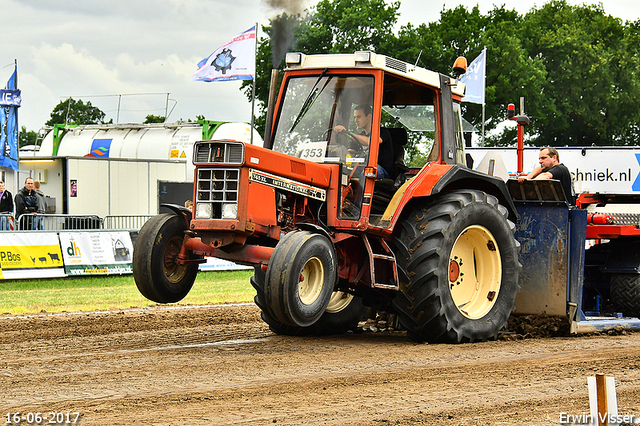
(9, 124)
(474, 79)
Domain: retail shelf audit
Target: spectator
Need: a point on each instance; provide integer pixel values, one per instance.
(26, 202)
(42, 206)
(551, 168)
(6, 207)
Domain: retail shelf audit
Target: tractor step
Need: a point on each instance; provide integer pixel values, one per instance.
(382, 261)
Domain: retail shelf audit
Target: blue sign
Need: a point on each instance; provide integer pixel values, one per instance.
(100, 148)
(9, 97)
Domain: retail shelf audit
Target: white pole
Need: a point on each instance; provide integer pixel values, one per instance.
(484, 86)
(253, 92)
(603, 402)
(17, 174)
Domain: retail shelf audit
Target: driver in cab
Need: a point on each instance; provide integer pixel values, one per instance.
(362, 117)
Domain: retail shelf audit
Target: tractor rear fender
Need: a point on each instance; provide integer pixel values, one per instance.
(460, 177)
(435, 179)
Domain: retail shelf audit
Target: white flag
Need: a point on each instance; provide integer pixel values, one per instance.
(235, 60)
(474, 79)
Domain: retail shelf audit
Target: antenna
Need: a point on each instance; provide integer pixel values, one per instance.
(419, 54)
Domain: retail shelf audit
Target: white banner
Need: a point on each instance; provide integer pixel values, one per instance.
(215, 264)
(97, 253)
(595, 169)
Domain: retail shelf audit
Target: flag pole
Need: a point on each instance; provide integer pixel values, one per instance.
(15, 86)
(253, 91)
(484, 86)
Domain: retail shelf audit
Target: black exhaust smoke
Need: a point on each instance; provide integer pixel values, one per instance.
(283, 27)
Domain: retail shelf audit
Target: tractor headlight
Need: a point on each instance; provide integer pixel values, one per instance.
(203, 210)
(361, 56)
(293, 58)
(229, 211)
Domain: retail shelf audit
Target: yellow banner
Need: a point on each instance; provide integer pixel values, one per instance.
(26, 250)
(29, 257)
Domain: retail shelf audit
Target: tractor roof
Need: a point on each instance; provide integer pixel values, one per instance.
(296, 61)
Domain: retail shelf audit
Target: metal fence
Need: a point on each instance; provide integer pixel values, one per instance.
(126, 221)
(7, 222)
(59, 222)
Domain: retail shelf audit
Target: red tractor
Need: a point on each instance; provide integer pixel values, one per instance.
(328, 238)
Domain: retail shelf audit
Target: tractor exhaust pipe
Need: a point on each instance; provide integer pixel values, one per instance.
(273, 84)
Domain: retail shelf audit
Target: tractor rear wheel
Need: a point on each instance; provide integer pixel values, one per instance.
(458, 268)
(625, 294)
(157, 274)
(343, 313)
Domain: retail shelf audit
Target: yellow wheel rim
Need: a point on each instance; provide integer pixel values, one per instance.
(339, 300)
(311, 281)
(475, 272)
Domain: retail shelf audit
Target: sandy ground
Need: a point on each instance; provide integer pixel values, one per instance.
(222, 365)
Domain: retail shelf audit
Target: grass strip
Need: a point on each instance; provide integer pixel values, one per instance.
(97, 293)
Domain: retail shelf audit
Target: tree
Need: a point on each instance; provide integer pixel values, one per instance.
(77, 112)
(153, 119)
(344, 26)
(26, 137)
(592, 67)
(575, 67)
(462, 32)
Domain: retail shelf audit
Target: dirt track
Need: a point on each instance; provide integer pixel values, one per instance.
(221, 365)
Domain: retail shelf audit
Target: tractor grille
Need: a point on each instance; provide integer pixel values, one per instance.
(217, 187)
(218, 152)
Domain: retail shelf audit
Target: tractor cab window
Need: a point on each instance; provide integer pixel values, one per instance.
(317, 123)
(412, 106)
(312, 107)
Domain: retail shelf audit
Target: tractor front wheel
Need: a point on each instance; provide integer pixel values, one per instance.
(300, 278)
(158, 275)
(343, 313)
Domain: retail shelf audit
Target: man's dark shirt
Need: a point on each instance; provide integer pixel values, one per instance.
(561, 173)
(385, 152)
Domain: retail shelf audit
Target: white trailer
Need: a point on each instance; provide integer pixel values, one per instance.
(107, 169)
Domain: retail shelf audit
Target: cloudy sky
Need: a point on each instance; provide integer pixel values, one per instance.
(141, 49)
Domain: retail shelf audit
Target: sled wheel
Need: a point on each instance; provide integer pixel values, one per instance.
(157, 274)
(625, 294)
(458, 268)
(300, 278)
